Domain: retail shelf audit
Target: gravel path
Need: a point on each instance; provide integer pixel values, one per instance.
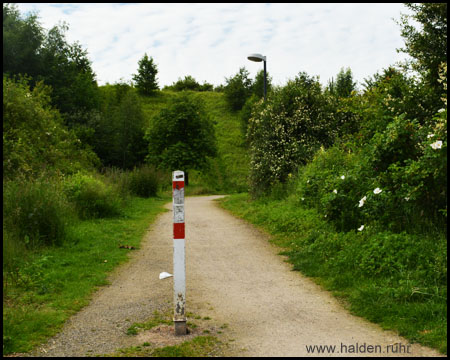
(234, 277)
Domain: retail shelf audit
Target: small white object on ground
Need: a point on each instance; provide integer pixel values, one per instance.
(164, 275)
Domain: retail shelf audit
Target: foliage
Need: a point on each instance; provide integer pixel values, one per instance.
(391, 94)
(47, 56)
(22, 39)
(146, 81)
(181, 136)
(427, 45)
(91, 197)
(333, 183)
(407, 162)
(238, 89)
(34, 137)
(144, 181)
(68, 71)
(344, 85)
(258, 84)
(286, 130)
(189, 83)
(119, 131)
(35, 213)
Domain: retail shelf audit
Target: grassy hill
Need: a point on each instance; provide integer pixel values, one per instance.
(229, 170)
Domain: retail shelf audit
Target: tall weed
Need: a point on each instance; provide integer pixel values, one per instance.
(144, 181)
(36, 212)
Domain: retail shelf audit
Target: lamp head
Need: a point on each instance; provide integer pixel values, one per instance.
(256, 57)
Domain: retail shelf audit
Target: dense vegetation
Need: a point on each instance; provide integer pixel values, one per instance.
(353, 182)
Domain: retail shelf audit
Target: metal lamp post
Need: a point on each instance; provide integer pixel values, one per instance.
(259, 58)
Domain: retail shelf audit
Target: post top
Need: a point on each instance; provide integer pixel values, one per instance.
(178, 175)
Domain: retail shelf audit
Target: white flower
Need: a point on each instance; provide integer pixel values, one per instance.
(361, 202)
(335, 191)
(343, 177)
(441, 110)
(377, 191)
(361, 228)
(436, 145)
(307, 181)
(430, 136)
(303, 199)
(407, 198)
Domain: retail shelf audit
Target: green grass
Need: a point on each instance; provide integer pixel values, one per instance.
(55, 282)
(200, 346)
(156, 320)
(396, 280)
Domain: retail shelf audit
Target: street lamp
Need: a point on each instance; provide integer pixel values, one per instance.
(259, 58)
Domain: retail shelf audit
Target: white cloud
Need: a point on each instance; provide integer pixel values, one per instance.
(212, 41)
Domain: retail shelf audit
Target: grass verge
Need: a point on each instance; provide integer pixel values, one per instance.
(53, 283)
(395, 280)
(200, 346)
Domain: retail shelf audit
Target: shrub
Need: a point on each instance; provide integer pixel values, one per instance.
(36, 212)
(92, 198)
(144, 181)
(285, 131)
(333, 183)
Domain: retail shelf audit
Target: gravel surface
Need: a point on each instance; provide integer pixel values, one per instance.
(235, 278)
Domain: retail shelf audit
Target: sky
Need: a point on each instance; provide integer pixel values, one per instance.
(211, 41)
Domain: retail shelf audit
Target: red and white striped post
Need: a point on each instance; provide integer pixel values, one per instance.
(179, 258)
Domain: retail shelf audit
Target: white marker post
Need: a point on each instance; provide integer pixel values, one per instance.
(179, 259)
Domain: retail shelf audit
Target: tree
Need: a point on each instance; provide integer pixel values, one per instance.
(119, 134)
(285, 131)
(48, 57)
(258, 85)
(344, 84)
(181, 136)
(145, 79)
(238, 89)
(428, 46)
(22, 39)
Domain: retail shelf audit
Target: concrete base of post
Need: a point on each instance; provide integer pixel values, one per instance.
(180, 328)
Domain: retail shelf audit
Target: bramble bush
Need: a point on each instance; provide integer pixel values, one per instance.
(405, 158)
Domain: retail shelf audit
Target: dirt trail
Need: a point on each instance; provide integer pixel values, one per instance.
(235, 277)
